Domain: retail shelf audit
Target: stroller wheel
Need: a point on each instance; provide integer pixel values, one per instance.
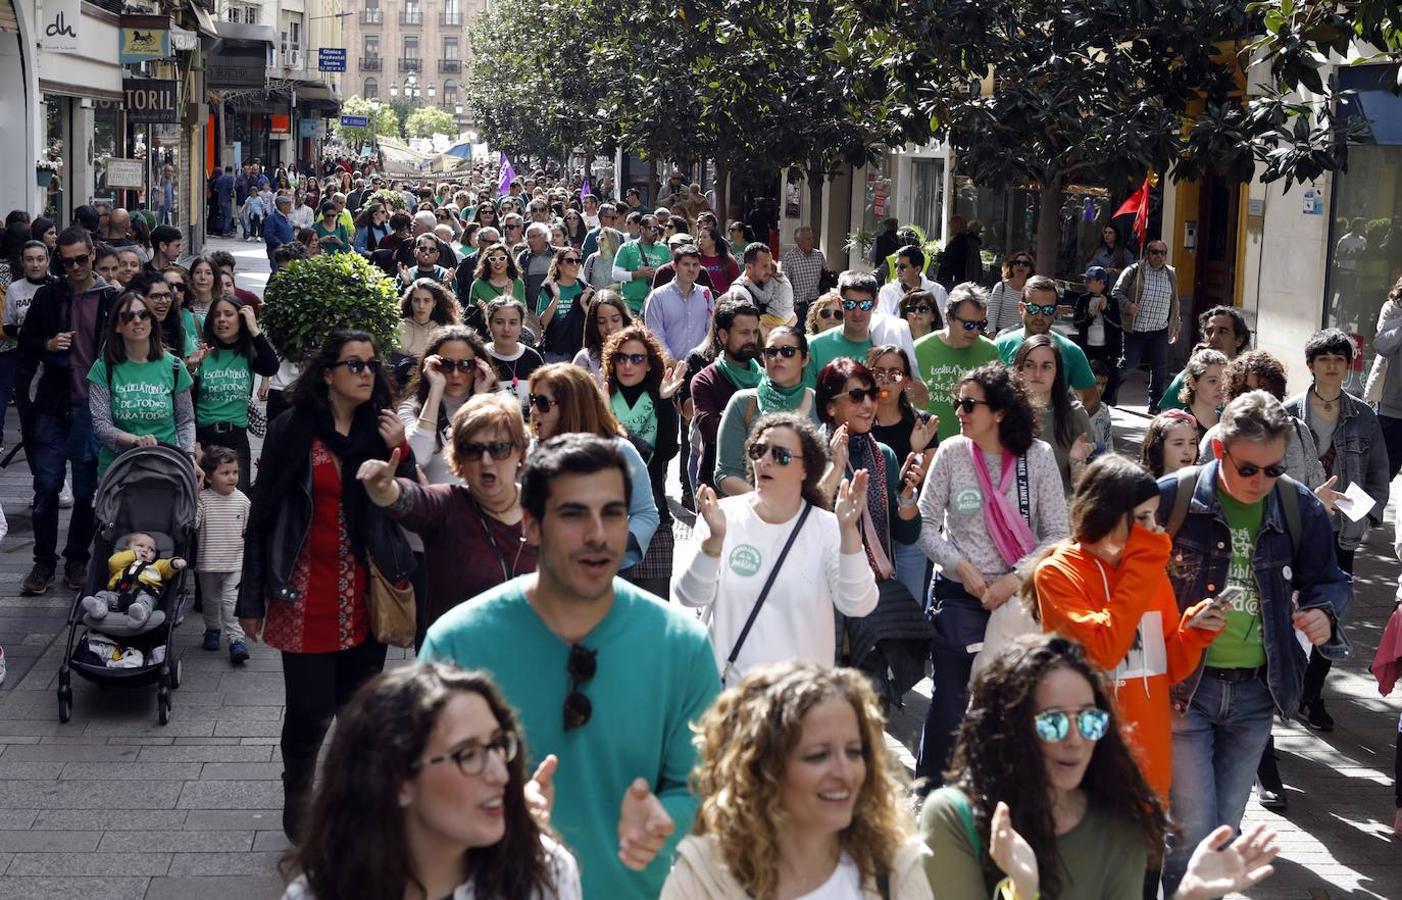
(176, 673)
(163, 705)
(65, 703)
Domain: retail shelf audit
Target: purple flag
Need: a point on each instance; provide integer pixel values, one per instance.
(508, 175)
(584, 188)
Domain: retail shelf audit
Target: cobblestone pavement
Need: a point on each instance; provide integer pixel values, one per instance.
(113, 805)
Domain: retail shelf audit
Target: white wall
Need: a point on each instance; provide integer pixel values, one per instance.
(21, 138)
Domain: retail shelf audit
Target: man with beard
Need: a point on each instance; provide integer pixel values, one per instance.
(767, 287)
(1224, 329)
(735, 326)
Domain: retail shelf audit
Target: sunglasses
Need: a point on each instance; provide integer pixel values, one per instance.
(1158, 252)
(781, 455)
(789, 351)
(496, 259)
(921, 308)
(471, 758)
(857, 395)
(895, 376)
(830, 314)
(178, 286)
(159, 295)
(1249, 470)
(863, 305)
(427, 249)
(972, 324)
(581, 667)
(570, 261)
(357, 366)
(74, 261)
(1054, 725)
(465, 366)
(543, 403)
(136, 315)
(472, 451)
(636, 359)
(1022, 262)
(967, 404)
(1037, 309)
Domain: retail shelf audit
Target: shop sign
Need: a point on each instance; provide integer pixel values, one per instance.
(60, 24)
(233, 67)
(151, 100)
(279, 126)
(331, 59)
(307, 128)
(125, 173)
(143, 37)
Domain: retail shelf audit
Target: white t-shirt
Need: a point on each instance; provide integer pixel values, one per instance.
(845, 883)
(796, 621)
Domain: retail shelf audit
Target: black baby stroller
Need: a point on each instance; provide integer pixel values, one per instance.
(152, 490)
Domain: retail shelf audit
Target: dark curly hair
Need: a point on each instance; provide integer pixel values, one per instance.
(1060, 399)
(811, 445)
(1003, 394)
(831, 380)
(656, 358)
(998, 756)
(1329, 340)
(445, 306)
(1269, 372)
(418, 386)
(381, 735)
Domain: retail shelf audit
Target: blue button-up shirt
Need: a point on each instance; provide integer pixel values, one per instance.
(680, 321)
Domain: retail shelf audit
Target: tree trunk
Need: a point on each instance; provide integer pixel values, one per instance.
(1049, 225)
(815, 202)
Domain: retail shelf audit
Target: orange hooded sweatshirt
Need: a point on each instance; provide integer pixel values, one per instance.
(1127, 620)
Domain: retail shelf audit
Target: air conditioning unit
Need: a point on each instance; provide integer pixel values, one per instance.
(292, 59)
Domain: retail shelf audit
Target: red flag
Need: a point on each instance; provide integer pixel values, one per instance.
(1138, 203)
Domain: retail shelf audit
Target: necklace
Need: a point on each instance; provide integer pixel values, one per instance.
(1328, 404)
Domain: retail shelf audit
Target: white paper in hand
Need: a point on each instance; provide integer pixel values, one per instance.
(1355, 503)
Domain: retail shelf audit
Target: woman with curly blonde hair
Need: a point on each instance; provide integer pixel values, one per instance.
(798, 795)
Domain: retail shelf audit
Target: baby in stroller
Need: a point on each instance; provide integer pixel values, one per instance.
(137, 576)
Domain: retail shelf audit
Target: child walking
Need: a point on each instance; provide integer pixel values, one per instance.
(223, 513)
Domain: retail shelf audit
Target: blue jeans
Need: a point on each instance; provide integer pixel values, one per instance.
(226, 217)
(911, 564)
(59, 442)
(1150, 347)
(1216, 746)
(9, 363)
(960, 621)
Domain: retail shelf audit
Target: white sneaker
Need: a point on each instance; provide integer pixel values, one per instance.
(65, 496)
(2, 665)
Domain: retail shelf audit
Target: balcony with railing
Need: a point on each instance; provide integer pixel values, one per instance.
(450, 65)
(410, 64)
(411, 17)
(372, 16)
(449, 19)
(371, 63)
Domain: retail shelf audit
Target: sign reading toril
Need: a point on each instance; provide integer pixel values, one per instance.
(151, 100)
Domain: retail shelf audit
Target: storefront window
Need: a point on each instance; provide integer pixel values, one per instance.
(106, 143)
(927, 210)
(878, 201)
(53, 140)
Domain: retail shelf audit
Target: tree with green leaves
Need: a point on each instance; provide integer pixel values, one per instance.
(426, 121)
(381, 121)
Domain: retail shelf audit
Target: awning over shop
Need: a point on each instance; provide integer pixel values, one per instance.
(238, 31)
(203, 19)
(315, 96)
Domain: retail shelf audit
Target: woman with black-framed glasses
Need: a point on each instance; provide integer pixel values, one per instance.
(740, 544)
(780, 389)
(426, 766)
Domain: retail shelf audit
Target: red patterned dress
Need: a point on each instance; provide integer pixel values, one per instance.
(330, 612)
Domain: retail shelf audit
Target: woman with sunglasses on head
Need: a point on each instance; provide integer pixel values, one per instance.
(238, 350)
(497, 276)
(992, 499)
(562, 305)
(1007, 293)
(311, 540)
(138, 394)
(1046, 799)
(799, 796)
(640, 387)
(604, 315)
(823, 313)
(921, 310)
(803, 561)
(780, 389)
(426, 767)
(1064, 423)
(564, 399)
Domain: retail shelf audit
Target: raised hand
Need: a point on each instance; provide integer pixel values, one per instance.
(708, 508)
(485, 378)
(1216, 869)
(643, 826)
(912, 473)
(924, 432)
(1081, 449)
(433, 371)
(250, 319)
(391, 429)
(673, 379)
(1011, 852)
(540, 791)
(837, 447)
(378, 478)
(1326, 493)
(851, 499)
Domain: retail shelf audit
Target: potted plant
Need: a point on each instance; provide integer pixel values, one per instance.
(392, 201)
(45, 169)
(311, 298)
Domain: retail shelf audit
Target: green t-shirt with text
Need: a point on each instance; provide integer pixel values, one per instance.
(828, 346)
(633, 256)
(1073, 358)
(941, 367)
(143, 399)
(1240, 645)
(226, 381)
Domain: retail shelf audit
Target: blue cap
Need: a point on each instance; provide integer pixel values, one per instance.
(1096, 272)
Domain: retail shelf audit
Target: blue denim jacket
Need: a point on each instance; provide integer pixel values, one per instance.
(1360, 457)
(1197, 567)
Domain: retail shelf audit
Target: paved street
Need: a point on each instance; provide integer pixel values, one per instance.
(113, 805)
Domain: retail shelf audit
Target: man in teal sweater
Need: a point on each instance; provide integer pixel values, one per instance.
(607, 678)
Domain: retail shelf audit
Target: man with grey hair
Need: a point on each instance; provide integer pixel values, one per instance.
(803, 264)
(534, 262)
(1148, 298)
(278, 228)
(424, 223)
(1245, 540)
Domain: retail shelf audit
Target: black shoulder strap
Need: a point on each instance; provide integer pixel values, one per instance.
(764, 592)
(1187, 484)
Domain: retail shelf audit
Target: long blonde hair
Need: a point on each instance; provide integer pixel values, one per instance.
(743, 746)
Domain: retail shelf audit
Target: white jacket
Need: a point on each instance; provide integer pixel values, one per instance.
(699, 873)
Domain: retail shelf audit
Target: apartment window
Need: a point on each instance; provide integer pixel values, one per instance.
(450, 92)
(242, 13)
(372, 89)
(372, 14)
(411, 47)
(411, 15)
(372, 45)
(450, 48)
(451, 16)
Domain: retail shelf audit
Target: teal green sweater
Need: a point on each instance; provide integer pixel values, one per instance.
(655, 676)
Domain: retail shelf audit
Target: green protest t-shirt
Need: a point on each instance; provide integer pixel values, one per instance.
(941, 367)
(828, 346)
(633, 256)
(143, 399)
(193, 331)
(226, 381)
(1240, 645)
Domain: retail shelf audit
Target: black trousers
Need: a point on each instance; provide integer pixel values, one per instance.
(236, 439)
(316, 686)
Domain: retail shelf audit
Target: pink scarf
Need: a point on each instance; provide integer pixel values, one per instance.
(1001, 517)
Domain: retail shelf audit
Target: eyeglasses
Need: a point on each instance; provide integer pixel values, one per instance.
(75, 261)
(830, 314)
(570, 261)
(159, 295)
(581, 667)
(895, 376)
(543, 403)
(357, 366)
(863, 305)
(788, 351)
(472, 758)
(472, 451)
(136, 315)
(857, 395)
(178, 286)
(922, 308)
(1038, 309)
(1158, 252)
(1250, 470)
(465, 366)
(1054, 725)
(1022, 262)
(636, 359)
(781, 455)
(427, 249)
(967, 404)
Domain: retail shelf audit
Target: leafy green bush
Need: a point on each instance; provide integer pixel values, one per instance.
(390, 200)
(328, 292)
